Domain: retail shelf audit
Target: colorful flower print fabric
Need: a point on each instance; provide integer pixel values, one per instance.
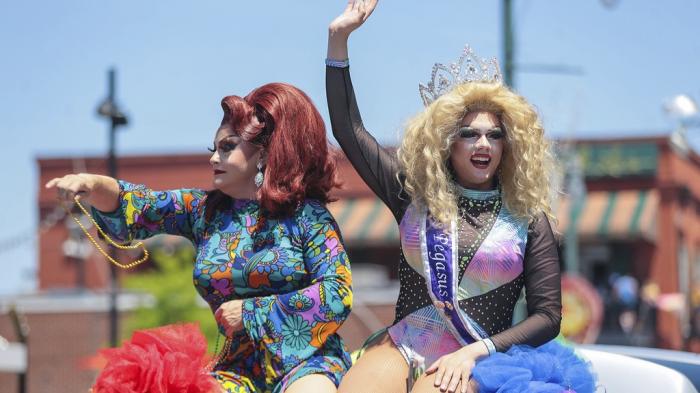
(292, 273)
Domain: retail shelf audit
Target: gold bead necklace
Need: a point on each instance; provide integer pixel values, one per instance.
(109, 240)
(221, 355)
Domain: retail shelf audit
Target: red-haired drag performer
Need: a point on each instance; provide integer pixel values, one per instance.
(270, 261)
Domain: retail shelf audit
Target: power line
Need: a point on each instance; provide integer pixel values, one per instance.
(14, 242)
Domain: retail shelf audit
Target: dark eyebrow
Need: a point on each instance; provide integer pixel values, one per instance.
(494, 129)
(226, 137)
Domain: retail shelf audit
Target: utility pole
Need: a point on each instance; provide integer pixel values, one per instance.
(21, 326)
(508, 44)
(109, 110)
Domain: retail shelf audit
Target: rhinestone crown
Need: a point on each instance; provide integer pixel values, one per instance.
(468, 68)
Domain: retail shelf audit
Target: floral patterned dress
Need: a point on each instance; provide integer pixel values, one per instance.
(292, 273)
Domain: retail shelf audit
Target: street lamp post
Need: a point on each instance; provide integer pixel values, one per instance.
(508, 43)
(684, 110)
(576, 190)
(110, 110)
(22, 329)
(509, 48)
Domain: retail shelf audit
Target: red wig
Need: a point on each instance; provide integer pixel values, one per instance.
(290, 129)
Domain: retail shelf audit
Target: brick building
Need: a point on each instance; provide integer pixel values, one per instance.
(640, 216)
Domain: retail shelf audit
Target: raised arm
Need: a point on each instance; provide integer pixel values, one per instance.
(376, 166)
(353, 16)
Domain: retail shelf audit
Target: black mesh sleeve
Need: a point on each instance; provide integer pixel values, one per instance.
(542, 289)
(376, 166)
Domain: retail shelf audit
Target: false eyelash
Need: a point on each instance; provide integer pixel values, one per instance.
(497, 135)
(227, 146)
(466, 132)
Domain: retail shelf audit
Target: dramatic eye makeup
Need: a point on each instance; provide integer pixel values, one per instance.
(496, 133)
(225, 145)
(470, 133)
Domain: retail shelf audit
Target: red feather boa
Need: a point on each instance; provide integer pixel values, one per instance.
(168, 359)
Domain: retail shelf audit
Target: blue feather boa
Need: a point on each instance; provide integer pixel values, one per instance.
(551, 367)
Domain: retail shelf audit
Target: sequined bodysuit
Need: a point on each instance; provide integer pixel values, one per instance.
(514, 253)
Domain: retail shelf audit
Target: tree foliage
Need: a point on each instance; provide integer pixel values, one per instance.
(170, 283)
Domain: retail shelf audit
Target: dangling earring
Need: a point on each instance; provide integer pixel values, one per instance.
(259, 177)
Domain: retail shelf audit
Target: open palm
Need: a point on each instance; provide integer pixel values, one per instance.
(354, 15)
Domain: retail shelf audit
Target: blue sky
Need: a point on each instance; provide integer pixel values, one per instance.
(176, 59)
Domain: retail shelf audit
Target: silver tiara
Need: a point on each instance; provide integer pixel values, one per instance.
(468, 68)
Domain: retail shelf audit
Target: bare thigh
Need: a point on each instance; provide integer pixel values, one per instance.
(380, 369)
(313, 383)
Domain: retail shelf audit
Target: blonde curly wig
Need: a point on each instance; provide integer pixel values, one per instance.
(526, 165)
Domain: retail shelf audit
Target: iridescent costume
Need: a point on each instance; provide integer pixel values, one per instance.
(461, 288)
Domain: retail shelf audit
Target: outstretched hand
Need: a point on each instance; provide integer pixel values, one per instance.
(354, 15)
(102, 192)
(70, 186)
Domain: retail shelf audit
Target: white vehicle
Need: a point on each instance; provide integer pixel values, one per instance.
(640, 370)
